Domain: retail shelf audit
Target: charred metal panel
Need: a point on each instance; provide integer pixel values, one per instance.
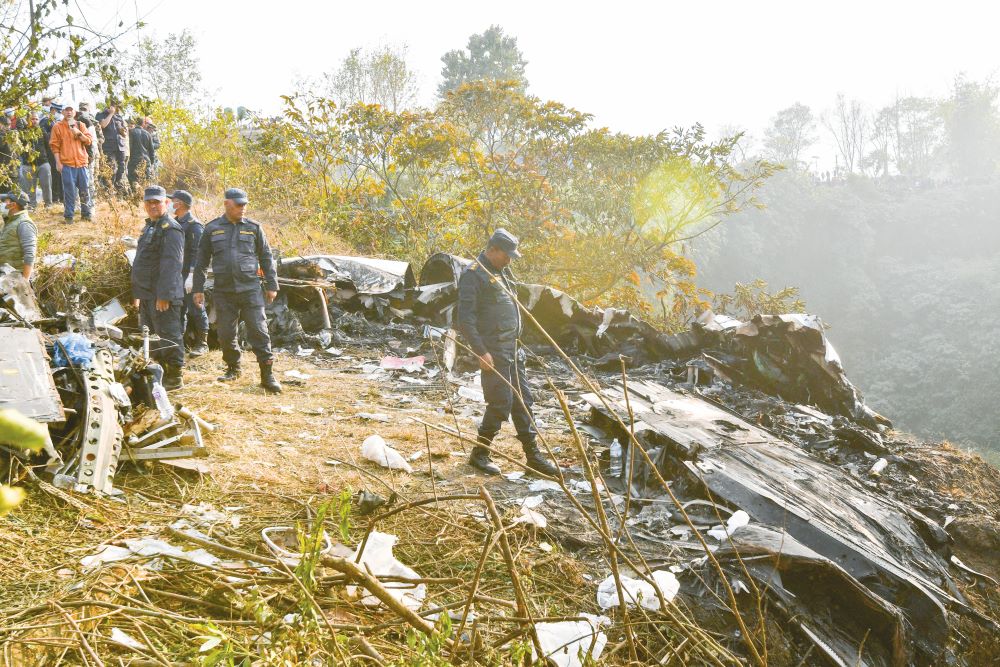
(26, 383)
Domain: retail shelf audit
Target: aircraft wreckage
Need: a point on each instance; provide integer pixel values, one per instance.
(757, 417)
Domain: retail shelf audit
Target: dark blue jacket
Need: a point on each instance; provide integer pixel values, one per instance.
(193, 229)
(140, 146)
(156, 271)
(487, 315)
(235, 251)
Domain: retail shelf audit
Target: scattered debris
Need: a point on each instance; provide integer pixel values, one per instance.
(638, 591)
(374, 448)
(284, 542)
(409, 364)
(572, 643)
(375, 556)
(866, 536)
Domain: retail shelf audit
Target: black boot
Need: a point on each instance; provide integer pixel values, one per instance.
(172, 378)
(200, 344)
(480, 460)
(267, 379)
(232, 373)
(537, 461)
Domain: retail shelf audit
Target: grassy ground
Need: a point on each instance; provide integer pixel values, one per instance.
(270, 465)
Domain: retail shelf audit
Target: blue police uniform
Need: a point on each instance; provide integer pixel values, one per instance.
(156, 276)
(236, 250)
(489, 318)
(490, 321)
(193, 229)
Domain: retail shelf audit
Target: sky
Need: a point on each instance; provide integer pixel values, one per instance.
(638, 67)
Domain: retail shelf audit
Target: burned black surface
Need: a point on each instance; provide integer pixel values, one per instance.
(873, 539)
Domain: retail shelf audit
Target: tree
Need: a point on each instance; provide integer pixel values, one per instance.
(883, 141)
(43, 46)
(167, 69)
(972, 126)
(848, 124)
(603, 216)
(790, 133)
(380, 76)
(490, 56)
(918, 133)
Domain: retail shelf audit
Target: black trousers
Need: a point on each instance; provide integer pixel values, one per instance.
(169, 350)
(230, 309)
(117, 163)
(501, 402)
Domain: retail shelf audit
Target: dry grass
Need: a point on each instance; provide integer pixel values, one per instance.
(269, 467)
(269, 460)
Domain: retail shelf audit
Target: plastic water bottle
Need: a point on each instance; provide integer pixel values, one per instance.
(162, 402)
(615, 454)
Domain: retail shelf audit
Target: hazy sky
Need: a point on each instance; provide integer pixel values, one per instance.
(637, 67)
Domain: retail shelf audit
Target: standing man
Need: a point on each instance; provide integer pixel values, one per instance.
(35, 169)
(490, 321)
(154, 142)
(93, 127)
(193, 229)
(47, 123)
(69, 143)
(239, 254)
(157, 286)
(115, 136)
(19, 236)
(140, 154)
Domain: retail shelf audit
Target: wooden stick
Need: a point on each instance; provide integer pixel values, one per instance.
(522, 605)
(79, 633)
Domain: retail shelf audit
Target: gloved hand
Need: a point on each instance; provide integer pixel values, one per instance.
(189, 284)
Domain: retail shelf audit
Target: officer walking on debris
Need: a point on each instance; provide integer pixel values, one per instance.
(489, 319)
(239, 254)
(193, 229)
(157, 285)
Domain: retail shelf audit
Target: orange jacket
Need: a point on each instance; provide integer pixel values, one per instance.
(70, 149)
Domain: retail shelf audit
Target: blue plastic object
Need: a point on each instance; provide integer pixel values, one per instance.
(77, 346)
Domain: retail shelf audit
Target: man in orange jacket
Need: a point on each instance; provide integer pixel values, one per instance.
(69, 142)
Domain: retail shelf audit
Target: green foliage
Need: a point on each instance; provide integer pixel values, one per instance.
(379, 76)
(972, 129)
(791, 132)
(22, 432)
(217, 648)
(430, 650)
(42, 45)
(166, 69)
(601, 215)
(750, 299)
(489, 56)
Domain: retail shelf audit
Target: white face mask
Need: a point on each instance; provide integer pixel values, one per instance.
(3, 209)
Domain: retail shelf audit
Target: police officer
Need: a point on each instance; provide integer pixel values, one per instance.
(157, 285)
(19, 236)
(491, 323)
(193, 229)
(236, 248)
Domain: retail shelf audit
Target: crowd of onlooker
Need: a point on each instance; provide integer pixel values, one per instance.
(66, 151)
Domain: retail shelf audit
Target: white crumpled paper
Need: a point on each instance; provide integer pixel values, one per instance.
(637, 591)
(374, 448)
(532, 518)
(377, 560)
(738, 520)
(572, 643)
(145, 547)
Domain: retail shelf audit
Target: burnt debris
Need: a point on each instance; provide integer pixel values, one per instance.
(753, 420)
